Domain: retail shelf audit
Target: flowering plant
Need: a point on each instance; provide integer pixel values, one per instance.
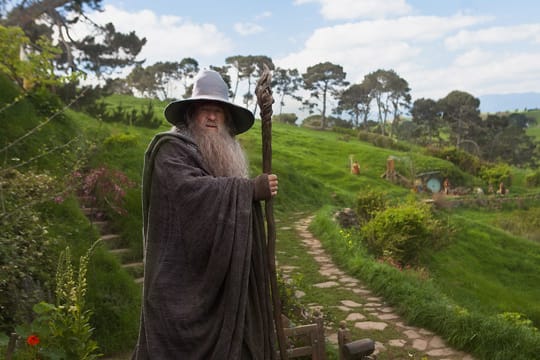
(32, 340)
(105, 188)
(61, 330)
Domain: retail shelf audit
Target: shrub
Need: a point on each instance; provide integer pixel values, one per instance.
(287, 118)
(124, 140)
(533, 179)
(105, 189)
(401, 233)
(147, 117)
(462, 159)
(27, 249)
(368, 203)
(496, 174)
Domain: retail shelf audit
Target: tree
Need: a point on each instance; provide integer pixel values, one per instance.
(390, 92)
(101, 52)
(399, 96)
(355, 100)
(35, 69)
(158, 80)
(286, 82)
(142, 80)
(188, 68)
(236, 62)
(323, 80)
(248, 68)
(504, 138)
(460, 110)
(426, 115)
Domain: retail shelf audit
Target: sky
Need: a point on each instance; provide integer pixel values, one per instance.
(477, 46)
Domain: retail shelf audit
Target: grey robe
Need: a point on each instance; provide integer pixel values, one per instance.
(206, 293)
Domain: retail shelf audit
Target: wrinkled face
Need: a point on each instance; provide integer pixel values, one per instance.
(209, 116)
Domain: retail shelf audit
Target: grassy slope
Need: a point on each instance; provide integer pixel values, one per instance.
(484, 267)
(313, 169)
(489, 270)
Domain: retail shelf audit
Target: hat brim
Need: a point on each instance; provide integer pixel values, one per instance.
(175, 113)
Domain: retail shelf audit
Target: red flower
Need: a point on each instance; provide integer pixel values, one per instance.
(32, 340)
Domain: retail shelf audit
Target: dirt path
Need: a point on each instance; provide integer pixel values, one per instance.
(368, 312)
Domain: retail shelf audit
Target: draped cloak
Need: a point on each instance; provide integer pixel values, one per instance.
(206, 293)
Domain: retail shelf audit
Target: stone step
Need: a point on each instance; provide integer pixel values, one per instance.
(125, 255)
(113, 241)
(135, 269)
(100, 224)
(133, 264)
(122, 254)
(108, 237)
(120, 251)
(93, 213)
(88, 211)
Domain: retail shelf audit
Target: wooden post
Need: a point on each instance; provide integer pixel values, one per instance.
(11, 346)
(344, 336)
(320, 349)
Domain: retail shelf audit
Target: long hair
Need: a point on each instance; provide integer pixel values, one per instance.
(220, 150)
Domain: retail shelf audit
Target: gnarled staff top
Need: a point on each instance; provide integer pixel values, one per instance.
(264, 94)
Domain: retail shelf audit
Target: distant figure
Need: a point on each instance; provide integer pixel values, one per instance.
(502, 189)
(490, 189)
(446, 186)
(355, 168)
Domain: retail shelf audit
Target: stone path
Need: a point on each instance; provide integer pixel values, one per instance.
(369, 312)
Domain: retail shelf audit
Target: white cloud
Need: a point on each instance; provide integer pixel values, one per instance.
(169, 38)
(355, 9)
(414, 46)
(495, 35)
(361, 47)
(479, 73)
(247, 28)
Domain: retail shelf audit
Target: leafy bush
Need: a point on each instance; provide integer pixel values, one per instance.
(287, 118)
(369, 203)
(533, 179)
(495, 174)
(402, 232)
(105, 189)
(121, 140)
(27, 249)
(144, 117)
(462, 159)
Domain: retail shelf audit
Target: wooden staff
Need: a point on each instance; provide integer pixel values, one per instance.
(265, 101)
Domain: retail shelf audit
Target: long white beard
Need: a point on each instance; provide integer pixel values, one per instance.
(222, 152)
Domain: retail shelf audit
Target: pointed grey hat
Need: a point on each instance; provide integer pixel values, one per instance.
(209, 85)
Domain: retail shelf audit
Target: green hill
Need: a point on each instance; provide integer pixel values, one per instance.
(484, 270)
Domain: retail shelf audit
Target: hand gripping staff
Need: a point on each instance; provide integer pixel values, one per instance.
(265, 100)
